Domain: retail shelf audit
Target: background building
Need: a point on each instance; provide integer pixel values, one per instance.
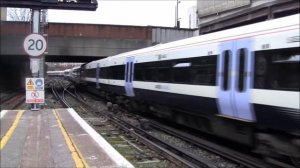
(215, 15)
(193, 19)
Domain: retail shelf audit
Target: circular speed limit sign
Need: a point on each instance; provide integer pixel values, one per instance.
(34, 45)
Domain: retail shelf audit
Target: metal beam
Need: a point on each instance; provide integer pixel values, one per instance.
(89, 5)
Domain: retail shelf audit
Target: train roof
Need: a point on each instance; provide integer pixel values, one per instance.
(239, 32)
(225, 34)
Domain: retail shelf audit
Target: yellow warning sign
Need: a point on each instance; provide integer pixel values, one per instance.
(34, 84)
(29, 88)
(30, 82)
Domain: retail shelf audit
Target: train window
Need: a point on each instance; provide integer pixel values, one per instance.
(163, 74)
(181, 72)
(108, 73)
(180, 65)
(226, 69)
(241, 71)
(126, 71)
(104, 73)
(97, 71)
(131, 72)
(277, 69)
(117, 72)
(158, 71)
(91, 73)
(138, 72)
(204, 70)
(199, 70)
(86, 72)
(120, 72)
(150, 74)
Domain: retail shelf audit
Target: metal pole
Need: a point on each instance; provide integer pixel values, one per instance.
(177, 19)
(176, 14)
(35, 21)
(43, 22)
(34, 62)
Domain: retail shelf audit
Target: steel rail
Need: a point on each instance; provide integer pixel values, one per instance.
(84, 103)
(230, 154)
(54, 91)
(58, 97)
(66, 88)
(169, 151)
(78, 95)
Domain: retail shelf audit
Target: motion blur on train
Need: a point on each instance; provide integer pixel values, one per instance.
(241, 84)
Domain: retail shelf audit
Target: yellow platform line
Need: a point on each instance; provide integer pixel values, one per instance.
(76, 155)
(11, 130)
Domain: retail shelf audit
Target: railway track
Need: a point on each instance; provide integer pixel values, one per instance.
(191, 160)
(241, 158)
(61, 98)
(114, 132)
(178, 156)
(174, 154)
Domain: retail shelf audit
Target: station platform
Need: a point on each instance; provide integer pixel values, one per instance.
(53, 138)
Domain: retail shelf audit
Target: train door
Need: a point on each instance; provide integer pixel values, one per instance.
(235, 67)
(129, 72)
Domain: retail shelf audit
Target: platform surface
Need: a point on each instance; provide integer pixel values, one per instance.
(53, 138)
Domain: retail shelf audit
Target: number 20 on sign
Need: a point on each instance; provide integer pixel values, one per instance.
(35, 45)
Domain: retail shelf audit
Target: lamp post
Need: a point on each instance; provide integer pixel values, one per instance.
(177, 22)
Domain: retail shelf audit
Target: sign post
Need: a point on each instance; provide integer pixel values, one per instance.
(35, 45)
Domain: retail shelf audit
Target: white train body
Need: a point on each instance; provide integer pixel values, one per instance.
(241, 84)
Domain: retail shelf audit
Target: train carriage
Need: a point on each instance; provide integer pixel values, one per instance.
(241, 84)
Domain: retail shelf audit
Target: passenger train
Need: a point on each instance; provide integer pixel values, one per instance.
(241, 84)
(73, 74)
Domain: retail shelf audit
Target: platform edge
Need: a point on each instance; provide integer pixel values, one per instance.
(3, 112)
(114, 154)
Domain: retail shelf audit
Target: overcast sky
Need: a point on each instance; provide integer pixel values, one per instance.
(128, 12)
